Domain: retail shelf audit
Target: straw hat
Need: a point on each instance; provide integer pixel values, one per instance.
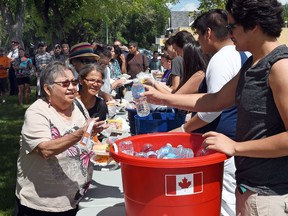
(83, 49)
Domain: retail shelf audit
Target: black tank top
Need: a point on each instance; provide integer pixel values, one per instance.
(258, 117)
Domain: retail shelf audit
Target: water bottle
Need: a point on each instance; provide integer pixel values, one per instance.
(127, 147)
(184, 152)
(163, 151)
(142, 107)
(147, 147)
(151, 154)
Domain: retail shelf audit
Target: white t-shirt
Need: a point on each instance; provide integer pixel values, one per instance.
(222, 67)
(58, 183)
(106, 87)
(13, 54)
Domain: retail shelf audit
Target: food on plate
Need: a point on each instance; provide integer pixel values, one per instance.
(115, 124)
(101, 148)
(101, 159)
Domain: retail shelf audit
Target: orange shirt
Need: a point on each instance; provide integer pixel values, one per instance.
(5, 62)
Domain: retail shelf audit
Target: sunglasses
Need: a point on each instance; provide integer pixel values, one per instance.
(92, 81)
(230, 27)
(66, 84)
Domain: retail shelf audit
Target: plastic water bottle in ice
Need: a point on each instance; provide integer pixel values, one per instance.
(163, 151)
(147, 147)
(184, 152)
(127, 147)
(151, 154)
(142, 107)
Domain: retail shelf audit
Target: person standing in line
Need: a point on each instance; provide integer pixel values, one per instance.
(13, 54)
(155, 63)
(166, 62)
(194, 64)
(259, 92)
(80, 55)
(177, 64)
(58, 55)
(108, 86)
(23, 65)
(123, 48)
(91, 79)
(121, 59)
(136, 62)
(42, 58)
(116, 70)
(4, 66)
(53, 168)
(65, 50)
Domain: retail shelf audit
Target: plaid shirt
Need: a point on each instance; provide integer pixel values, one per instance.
(42, 59)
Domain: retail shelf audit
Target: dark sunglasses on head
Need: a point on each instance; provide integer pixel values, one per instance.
(230, 27)
(66, 84)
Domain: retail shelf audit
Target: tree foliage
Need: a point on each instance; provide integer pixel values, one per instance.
(73, 21)
(205, 5)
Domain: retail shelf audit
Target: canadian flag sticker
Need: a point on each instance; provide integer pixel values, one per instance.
(184, 184)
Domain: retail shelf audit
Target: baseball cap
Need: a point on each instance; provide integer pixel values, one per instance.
(41, 44)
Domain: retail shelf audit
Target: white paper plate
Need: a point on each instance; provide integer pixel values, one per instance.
(126, 76)
(95, 160)
(128, 82)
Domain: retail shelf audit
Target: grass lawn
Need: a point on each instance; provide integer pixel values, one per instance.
(11, 120)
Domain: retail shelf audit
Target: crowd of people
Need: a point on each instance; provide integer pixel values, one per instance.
(232, 79)
(19, 64)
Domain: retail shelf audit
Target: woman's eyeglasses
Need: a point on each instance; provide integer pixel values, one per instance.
(66, 84)
(92, 81)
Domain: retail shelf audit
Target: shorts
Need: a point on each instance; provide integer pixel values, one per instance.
(3, 84)
(23, 80)
(250, 203)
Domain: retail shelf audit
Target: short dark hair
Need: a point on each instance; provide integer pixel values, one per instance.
(169, 41)
(216, 20)
(166, 56)
(133, 43)
(103, 51)
(266, 13)
(117, 50)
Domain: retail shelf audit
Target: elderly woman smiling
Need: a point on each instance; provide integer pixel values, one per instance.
(54, 170)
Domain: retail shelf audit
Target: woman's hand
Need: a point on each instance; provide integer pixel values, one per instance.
(99, 126)
(149, 81)
(219, 142)
(122, 57)
(153, 96)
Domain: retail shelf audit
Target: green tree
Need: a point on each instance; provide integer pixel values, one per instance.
(13, 19)
(206, 5)
(78, 20)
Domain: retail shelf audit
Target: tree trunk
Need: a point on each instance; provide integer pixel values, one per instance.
(14, 20)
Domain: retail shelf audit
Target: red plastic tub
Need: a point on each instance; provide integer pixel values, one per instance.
(171, 186)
